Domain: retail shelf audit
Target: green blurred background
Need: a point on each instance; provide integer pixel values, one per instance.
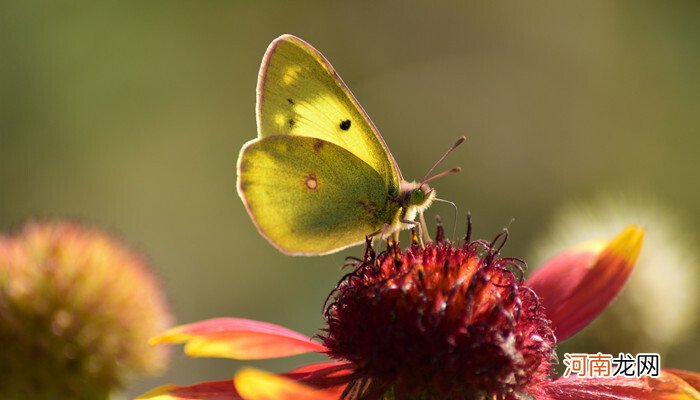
(130, 116)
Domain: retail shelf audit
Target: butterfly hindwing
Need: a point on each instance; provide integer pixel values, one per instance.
(300, 94)
(309, 196)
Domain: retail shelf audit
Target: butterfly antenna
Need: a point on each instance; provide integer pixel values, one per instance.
(454, 146)
(441, 174)
(454, 225)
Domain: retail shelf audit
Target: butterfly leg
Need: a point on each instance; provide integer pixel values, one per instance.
(395, 237)
(377, 234)
(425, 228)
(420, 229)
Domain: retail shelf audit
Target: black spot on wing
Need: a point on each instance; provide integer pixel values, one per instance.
(290, 101)
(345, 125)
(291, 122)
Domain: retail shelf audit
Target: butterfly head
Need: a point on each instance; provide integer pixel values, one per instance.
(416, 197)
(421, 195)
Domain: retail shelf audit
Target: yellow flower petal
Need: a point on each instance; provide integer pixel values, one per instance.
(254, 384)
(627, 244)
(214, 390)
(576, 285)
(238, 338)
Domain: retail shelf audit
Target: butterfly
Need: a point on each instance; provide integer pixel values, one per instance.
(319, 177)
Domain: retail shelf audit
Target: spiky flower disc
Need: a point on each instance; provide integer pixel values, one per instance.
(439, 322)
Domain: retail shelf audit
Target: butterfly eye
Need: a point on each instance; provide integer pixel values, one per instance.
(417, 196)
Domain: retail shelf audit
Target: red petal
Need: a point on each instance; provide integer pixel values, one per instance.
(665, 387)
(215, 390)
(253, 384)
(332, 375)
(321, 366)
(238, 338)
(577, 284)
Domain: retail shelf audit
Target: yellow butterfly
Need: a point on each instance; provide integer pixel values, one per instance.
(319, 177)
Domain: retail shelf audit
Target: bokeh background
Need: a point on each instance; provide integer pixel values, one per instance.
(130, 116)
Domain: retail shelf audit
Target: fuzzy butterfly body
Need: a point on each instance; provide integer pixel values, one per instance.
(319, 177)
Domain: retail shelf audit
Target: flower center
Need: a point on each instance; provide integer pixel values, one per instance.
(439, 322)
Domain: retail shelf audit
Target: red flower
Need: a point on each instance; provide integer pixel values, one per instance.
(438, 322)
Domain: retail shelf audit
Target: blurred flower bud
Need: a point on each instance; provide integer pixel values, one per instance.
(76, 311)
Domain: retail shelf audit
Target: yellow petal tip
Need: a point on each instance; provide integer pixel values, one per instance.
(172, 336)
(628, 243)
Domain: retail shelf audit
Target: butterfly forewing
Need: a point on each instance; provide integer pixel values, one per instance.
(300, 94)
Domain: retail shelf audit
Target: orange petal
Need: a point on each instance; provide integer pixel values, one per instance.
(666, 387)
(577, 284)
(253, 384)
(238, 338)
(215, 390)
(691, 378)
